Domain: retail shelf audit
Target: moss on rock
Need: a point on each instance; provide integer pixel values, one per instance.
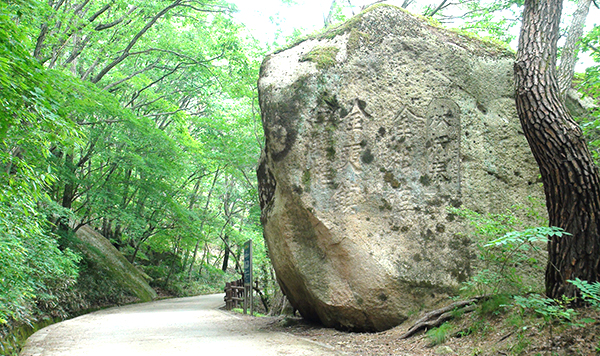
(104, 255)
(324, 57)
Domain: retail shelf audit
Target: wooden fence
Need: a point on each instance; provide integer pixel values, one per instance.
(234, 294)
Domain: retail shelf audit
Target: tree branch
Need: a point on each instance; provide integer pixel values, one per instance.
(37, 52)
(78, 48)
(134, 40)
(152, 66)
(593, 48)
(68, 34)
(371, 4)
(80, 7)
(137, 94)
(406, 3)
(195, 61)
(102, 27)
(99, 12)
(165, 113)
(149, 102)
(88, 154)
(83, 123)
(442, 6)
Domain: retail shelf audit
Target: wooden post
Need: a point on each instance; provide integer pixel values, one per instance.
(245, 300)
(251, 292)
(228, 296)
(235, 294)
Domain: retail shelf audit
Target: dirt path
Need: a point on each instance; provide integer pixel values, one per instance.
(186, 326)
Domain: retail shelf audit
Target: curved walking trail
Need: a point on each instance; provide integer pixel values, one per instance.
(184, 326)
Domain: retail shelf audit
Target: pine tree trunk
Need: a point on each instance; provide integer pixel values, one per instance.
(571, 181)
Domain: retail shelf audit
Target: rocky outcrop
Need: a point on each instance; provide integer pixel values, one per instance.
(104, 255)
(372, 130)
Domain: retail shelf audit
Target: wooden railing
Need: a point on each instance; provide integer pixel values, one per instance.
(234, 294)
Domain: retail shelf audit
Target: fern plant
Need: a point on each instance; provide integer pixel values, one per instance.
(506, 253)
(549, 309)
(590, 292)
(438, 336)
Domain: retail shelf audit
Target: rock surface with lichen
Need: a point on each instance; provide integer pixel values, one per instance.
(372, 130)
(106, 257)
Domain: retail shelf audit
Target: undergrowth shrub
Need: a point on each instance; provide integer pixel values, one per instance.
(438, 336)
(512, 259)
(547, 308)
(494, 305)
(590, 292)
(210, 280)
(510, 274)
(512, 254)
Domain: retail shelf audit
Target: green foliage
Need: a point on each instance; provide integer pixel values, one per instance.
(32, 266)
(156, 150)
(207, 283)
(590, 292)
(492, 20)
(241, 311)
(549, 309)
(505, 254)
(25, 85)
(525, 240)
(494, 305)
(439, 335)
(590, 42)
(11, 344)
(338, 13)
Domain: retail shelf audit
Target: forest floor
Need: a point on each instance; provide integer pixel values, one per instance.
(506, 333)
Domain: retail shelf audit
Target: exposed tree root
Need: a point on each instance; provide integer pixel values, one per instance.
(437, 317)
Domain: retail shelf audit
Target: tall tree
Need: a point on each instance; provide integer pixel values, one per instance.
(32, 265)
(571, 180)
(569, 52)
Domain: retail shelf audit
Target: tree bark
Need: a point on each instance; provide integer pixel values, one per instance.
(568, 57)
(226, 257)
(570, 178)
(69, 191)
(406, 3)
(431, 12)
(212, 187)
(145, 236)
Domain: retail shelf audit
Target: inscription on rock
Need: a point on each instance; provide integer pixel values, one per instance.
(429, 146)
(443, 151)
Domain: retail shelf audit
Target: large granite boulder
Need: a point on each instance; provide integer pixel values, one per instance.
(372, 130)
(104, 256)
